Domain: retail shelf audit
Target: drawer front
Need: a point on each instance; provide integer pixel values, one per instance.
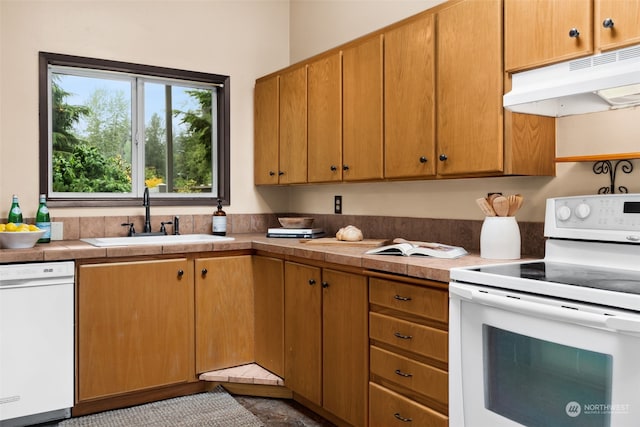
(409, 336)
(389, 409)
(418, 300)
(424, 379)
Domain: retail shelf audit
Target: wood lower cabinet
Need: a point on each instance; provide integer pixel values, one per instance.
(409, 352)
(268, 278)
(224, 312)
(134, 326)
(326, 339)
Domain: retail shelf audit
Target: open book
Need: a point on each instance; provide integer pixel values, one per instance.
(407, 248)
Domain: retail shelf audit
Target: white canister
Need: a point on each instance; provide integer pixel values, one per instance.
(500, 238)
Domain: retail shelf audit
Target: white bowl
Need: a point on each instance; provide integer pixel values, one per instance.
(296, 222)
(19, 239)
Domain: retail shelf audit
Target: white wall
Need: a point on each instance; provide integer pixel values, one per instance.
(318, 25)
(243, 39)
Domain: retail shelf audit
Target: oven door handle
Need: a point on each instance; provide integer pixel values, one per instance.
(564, 314)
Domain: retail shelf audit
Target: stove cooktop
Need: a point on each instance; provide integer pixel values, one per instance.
(608, 279)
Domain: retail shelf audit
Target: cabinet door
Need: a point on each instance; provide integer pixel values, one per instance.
(135, 326)
(293, 126)
(324, 140)
(622, 29)
(268, 277)
(409, 96)
(362, 111)
(224, 312)
(266, 131)
(469, 103)
(537, 32)
(303, 331)
(345, 345)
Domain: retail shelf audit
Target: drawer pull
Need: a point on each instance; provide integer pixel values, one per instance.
(401, 418)
(403, 374)
(401, 298)
(404, 337)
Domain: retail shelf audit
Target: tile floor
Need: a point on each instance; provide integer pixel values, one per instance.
(282, 412)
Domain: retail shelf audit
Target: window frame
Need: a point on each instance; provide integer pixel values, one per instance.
(223, 123)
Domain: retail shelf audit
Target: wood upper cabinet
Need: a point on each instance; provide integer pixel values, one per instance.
(324, 119)
(469, 87)
(268, 277)
(266, 131)
(362, 94)
(326, 339)
(293, 126)
(541, 32)
(616, 23)
(224, 313)
(134, 326)
(409, 96)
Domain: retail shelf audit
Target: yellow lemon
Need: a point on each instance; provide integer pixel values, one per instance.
(23, 227)
(2, 227)
(11, 227)
(32, 227)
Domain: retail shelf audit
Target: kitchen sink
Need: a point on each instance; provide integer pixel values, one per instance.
(156, 240)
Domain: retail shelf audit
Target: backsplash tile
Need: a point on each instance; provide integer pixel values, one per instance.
(465, 233)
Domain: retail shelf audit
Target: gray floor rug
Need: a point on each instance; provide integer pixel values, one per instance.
(212, 409)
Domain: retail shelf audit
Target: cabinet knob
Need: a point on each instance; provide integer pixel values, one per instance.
(574, 33)
(423, 159)
(442, 157)
(271, 173)
(180, 273)
(334, 168)
(280, 173)
(312, 282)
(345, 167)
(401, 298)
(325, 284)
(204, 271)
(607, 23)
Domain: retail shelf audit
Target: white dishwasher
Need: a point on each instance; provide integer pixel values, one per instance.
(36, 342)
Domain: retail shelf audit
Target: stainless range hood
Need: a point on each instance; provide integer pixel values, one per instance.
(596, 83)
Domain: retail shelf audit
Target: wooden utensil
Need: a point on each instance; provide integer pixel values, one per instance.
(515, 202)
(501, 206)
(485, 207)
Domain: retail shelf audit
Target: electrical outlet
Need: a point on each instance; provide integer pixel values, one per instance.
(337, 204)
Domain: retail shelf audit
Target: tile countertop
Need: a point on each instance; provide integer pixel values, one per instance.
(425, 268)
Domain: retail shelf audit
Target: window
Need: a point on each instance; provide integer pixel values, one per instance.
(109, 129)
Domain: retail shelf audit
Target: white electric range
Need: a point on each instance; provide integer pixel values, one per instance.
(556, 341)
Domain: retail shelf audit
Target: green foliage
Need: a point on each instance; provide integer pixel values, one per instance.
(64, 118)
(194, 161)
(86, 170)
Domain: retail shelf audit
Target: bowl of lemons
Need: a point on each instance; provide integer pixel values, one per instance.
(21, 236)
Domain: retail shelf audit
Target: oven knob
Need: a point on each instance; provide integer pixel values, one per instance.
(563, 213)
(583, 210)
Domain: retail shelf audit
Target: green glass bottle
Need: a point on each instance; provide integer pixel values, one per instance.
(15, 213)
(43, 220)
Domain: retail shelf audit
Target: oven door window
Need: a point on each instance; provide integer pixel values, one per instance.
(540, 383)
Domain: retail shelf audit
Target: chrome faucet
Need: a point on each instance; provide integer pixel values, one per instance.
(147, 211)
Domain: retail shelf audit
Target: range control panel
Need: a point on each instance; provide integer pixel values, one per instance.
(606, 217)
